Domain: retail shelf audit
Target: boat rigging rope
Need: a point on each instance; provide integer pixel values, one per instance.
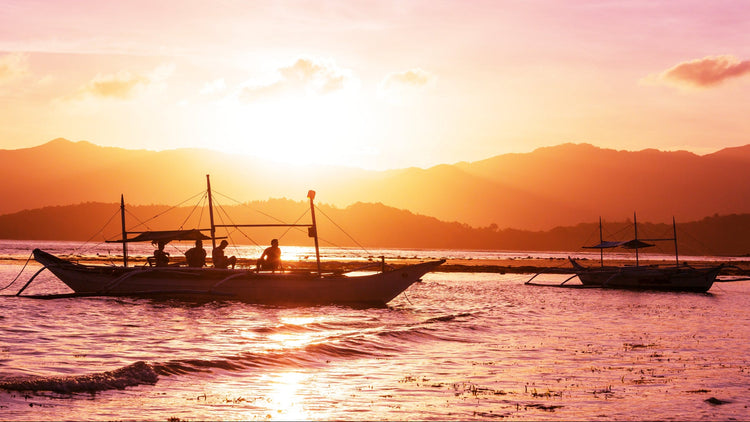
(200, 201)
(79, 249)
(342, 230)
(219, 214)
(201, 193)
(297, 228)
(19, 274)
(295, 222)
(245, 204)
(140, 223)
(268, 216)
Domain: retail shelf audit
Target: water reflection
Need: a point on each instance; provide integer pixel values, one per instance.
(462, 347)
(284, 399)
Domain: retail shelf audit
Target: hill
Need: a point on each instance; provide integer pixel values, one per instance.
(364, 225)
(554, 186)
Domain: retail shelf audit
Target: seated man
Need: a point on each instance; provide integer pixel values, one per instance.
(196, 257)
(160, 258)
(271, 258)
(220, 260)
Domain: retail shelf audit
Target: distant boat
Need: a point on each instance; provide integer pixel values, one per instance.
(677, 277)
(288, 287)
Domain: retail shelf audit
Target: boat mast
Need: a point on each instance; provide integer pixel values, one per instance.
(124, 233)
(635, 225)
(313, 230)
(674, 230)
(211, 212)
(601, 240)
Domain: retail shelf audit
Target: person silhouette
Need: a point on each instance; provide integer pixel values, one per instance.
(196, 257)
(220, 260)
(271, 258)
(160, 258)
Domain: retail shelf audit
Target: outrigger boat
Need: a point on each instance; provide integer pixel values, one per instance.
(288, 287)
(679, 277)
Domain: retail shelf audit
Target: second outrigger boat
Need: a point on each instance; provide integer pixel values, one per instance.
(290, 287)
(678, 277)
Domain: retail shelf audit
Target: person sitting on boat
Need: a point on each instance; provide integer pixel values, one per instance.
(196, 257)
(271, 258)
(220, 260)
(160, 258)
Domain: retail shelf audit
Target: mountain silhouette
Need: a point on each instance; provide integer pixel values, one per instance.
(549, 187)
(362, 225)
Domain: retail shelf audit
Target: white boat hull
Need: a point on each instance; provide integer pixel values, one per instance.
(284, 288)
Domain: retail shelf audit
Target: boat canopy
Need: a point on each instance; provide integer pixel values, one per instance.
(165, 236)
(627, 244)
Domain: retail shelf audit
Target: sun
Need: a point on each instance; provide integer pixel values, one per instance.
(323, 130)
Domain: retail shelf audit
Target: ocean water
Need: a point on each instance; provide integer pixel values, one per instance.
(456, 346)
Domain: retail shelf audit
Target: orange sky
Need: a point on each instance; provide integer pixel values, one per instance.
(376, 84)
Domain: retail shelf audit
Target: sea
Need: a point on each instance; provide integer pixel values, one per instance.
(455, 346)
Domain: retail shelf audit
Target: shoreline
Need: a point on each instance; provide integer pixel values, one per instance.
(499, 266)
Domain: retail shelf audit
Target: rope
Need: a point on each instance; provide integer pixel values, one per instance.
(342, 230)
(217, 193)
(19, 274)
(79, 249)
(200, 201)
(202, 193)
(295, 222)
(138, 220)
(274, 219)
(703, 246)
(248, 206)
(222, 210)
(407, 298)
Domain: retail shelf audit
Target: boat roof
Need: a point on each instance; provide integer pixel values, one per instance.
(165, 236)
(627, 244)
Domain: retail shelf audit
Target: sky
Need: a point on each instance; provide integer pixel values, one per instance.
(376, 84)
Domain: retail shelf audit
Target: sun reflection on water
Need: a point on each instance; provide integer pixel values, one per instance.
(300, 319)
(284, 398)
(292, 338)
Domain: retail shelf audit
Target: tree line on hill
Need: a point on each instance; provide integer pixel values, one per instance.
(368, 225)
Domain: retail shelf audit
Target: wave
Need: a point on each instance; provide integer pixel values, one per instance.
(134, 374)
(361, 345)
(140, 373)
(447, 318)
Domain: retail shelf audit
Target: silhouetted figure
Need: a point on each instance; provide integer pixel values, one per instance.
(220, 260)
(271, 258)
(160, 258)
(196, 257)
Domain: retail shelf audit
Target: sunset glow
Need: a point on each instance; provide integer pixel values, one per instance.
(377, 85)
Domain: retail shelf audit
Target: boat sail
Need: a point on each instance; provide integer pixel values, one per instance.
(678, 277)
(287, 287)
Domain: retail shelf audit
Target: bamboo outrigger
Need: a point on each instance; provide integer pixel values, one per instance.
(677, 277)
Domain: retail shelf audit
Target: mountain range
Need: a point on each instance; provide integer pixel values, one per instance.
(562, 185)
(363, 226)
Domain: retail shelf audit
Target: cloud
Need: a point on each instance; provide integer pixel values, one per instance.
(308, 76)
(214, 87)
(117, 90)
(399, 87)
(706, 72)
(122, 85)
(13, 66)
(411, 78)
